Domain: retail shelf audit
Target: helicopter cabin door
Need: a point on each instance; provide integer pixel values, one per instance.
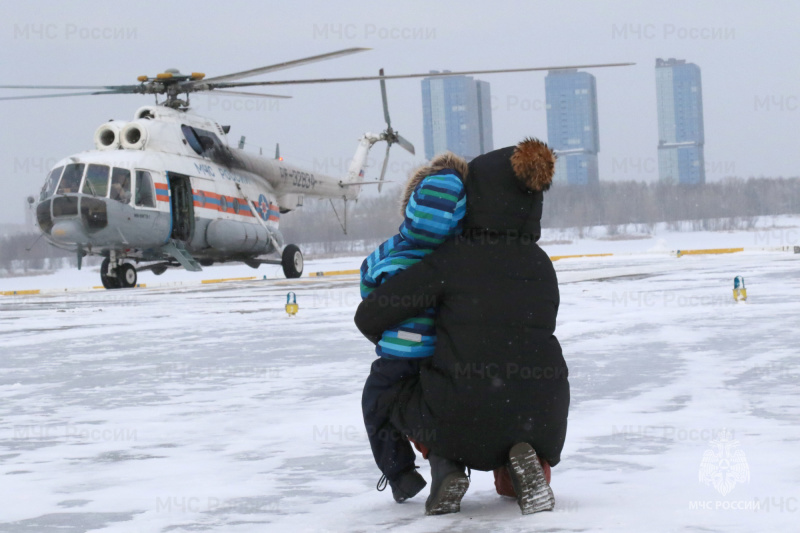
(181, 204)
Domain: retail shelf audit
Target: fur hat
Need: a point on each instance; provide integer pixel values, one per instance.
(534, 164)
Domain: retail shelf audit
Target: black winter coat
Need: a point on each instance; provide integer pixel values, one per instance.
(498, 376)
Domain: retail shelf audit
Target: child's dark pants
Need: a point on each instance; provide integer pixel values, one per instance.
(391, 449)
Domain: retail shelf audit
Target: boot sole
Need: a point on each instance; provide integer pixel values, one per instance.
(533, 492)
(448, 498)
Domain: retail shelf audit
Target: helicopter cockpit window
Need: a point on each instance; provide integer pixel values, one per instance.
(145, 195)
(71, 180)
(121, 185)
(50, 184)
(96, 182)
(201, 141)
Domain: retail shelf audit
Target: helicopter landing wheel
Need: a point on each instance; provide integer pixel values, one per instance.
(126, 274)
(292, 262)
(109, 282)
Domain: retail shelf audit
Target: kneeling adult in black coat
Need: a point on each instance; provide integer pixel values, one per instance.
(497, 377)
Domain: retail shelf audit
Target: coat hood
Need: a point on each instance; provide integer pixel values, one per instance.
(436, 165)
(504, 189)
(434, 203)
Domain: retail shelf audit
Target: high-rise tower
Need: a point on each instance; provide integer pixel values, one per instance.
(679, 94)
(572, 130)
(457, 116)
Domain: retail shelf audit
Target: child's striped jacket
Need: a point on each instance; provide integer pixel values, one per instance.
(434, 207)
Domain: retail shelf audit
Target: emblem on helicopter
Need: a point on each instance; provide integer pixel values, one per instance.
(263, 207)
(149, 194)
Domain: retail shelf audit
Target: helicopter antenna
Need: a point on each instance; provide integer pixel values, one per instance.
(30, 247)
(342, 224)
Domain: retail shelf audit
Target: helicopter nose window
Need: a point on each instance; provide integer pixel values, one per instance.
(96, 182)
(145, 195)
(71, 180)
(50, 184)
(121, 185)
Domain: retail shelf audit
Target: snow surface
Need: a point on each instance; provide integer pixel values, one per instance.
(206, 408)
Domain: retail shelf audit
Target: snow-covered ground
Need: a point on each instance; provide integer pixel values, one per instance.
(206, 408)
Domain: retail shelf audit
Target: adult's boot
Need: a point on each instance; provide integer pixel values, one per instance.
(527, 476)
(449, 483)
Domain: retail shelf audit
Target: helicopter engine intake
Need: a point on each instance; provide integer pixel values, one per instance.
(133, 136)
(107, 136)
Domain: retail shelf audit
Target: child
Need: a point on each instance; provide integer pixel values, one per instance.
(434, 205)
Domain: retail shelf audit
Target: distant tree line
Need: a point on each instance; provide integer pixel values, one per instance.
(370, 221)
(17, 258)
(731, 204)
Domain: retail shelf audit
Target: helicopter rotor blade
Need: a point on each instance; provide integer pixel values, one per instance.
(121, 88)
(402, 141)
(59, 95)
(405, 76)
(385, 164)
(385, 104)
(244, 93)
(279, 66)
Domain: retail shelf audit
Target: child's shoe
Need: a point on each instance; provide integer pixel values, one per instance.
(407, 485)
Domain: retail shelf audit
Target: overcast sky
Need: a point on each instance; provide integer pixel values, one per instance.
(747, 52)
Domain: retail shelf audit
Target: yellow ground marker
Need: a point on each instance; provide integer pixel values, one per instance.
(557, 257)
(19, 293)
(710, 251)
(334, 273)
(223, 280)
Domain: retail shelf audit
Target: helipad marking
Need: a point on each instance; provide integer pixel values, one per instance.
(20, 293)
(557, 257)
(223, 280)
(709, 251)
(333, 273)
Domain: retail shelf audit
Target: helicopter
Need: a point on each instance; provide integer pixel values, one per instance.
(168, 190)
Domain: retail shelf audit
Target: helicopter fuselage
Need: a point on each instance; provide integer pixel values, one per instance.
(169, 179)
(141, 216)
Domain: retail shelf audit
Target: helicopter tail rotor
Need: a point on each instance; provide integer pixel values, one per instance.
(389, 134)
(385, 164)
